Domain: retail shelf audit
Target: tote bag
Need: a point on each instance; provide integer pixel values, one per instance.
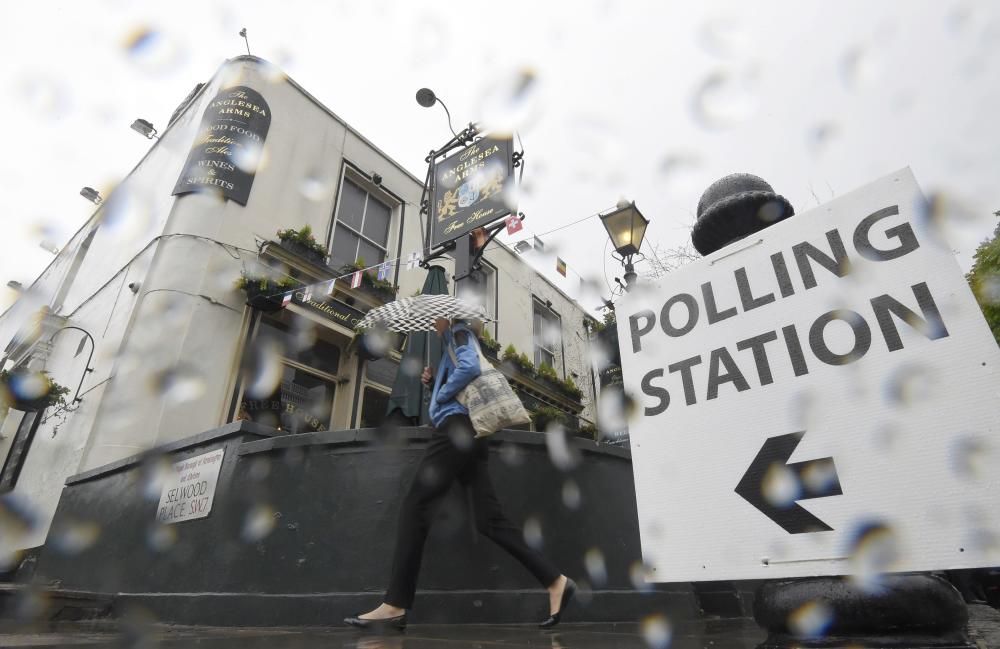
(490, 400)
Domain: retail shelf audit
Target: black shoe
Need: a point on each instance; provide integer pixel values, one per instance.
(567, 595)
(397, 623)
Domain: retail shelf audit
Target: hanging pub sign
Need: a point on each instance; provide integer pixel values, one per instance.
(469, 189)
(228, 147)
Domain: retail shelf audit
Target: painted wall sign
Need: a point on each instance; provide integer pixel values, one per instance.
(189, 490)
(469, 189)
(229, 145)
(819, 398)
(331, 309)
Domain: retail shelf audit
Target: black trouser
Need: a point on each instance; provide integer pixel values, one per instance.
(453, 454)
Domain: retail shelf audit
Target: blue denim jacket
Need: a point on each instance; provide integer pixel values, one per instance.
(450, 379)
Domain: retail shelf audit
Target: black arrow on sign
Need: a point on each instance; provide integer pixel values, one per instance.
(773, 456)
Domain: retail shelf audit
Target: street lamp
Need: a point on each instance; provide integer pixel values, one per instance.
(626, 227)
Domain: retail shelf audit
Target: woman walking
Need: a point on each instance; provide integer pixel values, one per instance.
(454, 453)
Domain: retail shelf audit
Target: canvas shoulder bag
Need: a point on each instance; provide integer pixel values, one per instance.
(490, 400)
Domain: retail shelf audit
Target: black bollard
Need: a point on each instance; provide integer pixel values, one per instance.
(912, 610)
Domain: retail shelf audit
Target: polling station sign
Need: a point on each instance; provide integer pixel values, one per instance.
(819, 398)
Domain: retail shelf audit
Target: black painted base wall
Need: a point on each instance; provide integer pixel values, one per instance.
(302, 531)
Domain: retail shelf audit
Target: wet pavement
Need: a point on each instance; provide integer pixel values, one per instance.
(654, 633)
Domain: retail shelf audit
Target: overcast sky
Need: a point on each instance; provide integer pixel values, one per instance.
(649, 101)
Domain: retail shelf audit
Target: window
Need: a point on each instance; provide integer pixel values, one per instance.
(362, 227)
(302, 400)
(373, 406)
(484, 293)
(547, 330)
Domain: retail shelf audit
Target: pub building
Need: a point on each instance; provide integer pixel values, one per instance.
(177, 308)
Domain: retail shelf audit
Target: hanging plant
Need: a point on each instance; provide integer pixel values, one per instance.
(303, 243)
(31, 391)
(264, 293)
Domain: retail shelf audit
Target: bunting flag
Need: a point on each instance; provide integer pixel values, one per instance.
(413, 261)
(383, 270)
(307, 295)
(513, 224)
(560, 266)
(356, 279)
(329, 286)
(285, 300)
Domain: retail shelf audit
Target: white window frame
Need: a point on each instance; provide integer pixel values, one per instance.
(351, 175)
(537, 338)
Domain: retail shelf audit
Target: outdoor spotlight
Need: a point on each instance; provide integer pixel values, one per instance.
(144, 128)
(15, 285)
(377, 179)
(91, 195)
(522, 247)
(426, 97)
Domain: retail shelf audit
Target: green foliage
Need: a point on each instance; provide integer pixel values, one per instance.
(510, 353)
(609, 319)
(520, 360)
(542, 416)
(487, 342)
(589, 431)
(984, 279)
(303, 236)
(263, 284)
(569, 386)
(546, 371)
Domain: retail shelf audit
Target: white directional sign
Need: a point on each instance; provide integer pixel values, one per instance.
(819, 398)
(189, 490)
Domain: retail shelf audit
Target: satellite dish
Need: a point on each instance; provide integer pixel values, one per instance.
(426, 97)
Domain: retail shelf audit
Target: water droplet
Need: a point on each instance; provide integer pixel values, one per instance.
(819, 137)
(874, 549)
(562, 454)
(152, 51)
(656, 631)
(726, 98)
(29, 385)
(533, 532)
(907, 384)
(969, 457)
(178, 384)
(859, 68)
(316, 187)
(259, 523)
(682, 172)
(511, 103)
(250, 156)
(725, 37)
(820, 476)
(126, 214)
(641, 576)
(780, 486)
(155, 474)
(263, 369)
(571, 495)
(161, 538)
(948, 220)
(260, 468)
(594, 562)
(44, 97)
(811, 620)
(73, 537)
(511, 454)
(987, 288)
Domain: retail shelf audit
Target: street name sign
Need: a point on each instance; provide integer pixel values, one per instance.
(189, 489)
(819, 398)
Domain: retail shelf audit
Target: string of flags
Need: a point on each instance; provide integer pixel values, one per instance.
(384, 269)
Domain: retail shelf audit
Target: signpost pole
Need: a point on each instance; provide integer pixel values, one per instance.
(915, 611)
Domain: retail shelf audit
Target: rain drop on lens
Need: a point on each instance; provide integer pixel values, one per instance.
(510, 103)
(780, 486)
(596, 569)
(656, 631)
(259, 522)
(264, 368)
(533, 532)
(874, 550)
(73, 537)
(179, 384)
(571, 495)
(725, 98)
(811, 620)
